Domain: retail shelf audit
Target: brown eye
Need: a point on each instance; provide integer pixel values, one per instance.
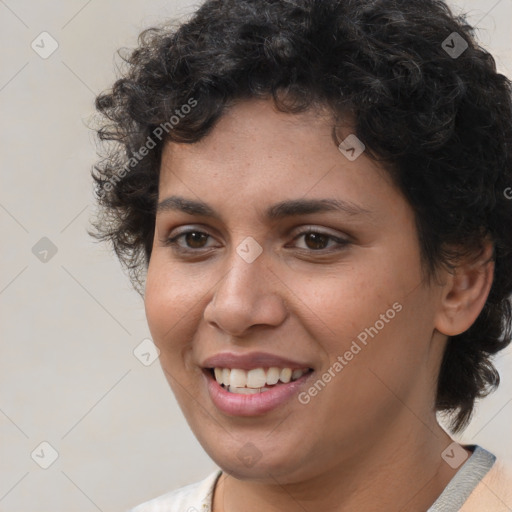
(318, 241)
(194, 240)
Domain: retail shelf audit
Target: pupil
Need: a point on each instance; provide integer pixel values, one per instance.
(318, 238)
(195, 236)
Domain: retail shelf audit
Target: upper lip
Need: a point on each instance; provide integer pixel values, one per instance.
(251, 360)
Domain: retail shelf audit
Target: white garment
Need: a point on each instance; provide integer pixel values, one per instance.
(195, 497)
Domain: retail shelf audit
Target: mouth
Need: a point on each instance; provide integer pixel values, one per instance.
(239, 392)
(257, 380)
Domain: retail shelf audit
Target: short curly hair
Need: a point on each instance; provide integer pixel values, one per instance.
(426, 100)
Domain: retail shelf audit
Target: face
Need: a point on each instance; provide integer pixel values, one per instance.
(260, 289)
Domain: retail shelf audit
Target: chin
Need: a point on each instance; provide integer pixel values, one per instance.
(248, 463)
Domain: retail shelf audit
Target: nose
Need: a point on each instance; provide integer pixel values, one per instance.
(249, 294)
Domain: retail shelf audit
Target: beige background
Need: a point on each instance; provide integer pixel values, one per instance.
(68, 375)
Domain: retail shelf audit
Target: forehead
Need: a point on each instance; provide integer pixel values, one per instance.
(258, 154)
(254, 128)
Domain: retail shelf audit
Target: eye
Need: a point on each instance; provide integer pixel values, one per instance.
(317, 240)
(194, 240)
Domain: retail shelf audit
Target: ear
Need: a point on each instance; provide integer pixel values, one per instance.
(465, 292)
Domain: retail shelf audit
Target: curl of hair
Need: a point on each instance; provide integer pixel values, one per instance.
(441, 126)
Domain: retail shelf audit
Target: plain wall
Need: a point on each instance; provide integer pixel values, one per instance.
(68, 375)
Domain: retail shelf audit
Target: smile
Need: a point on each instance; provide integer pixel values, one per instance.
(238, 392)
(257, 380)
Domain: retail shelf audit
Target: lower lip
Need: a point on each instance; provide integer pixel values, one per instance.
(252, 405)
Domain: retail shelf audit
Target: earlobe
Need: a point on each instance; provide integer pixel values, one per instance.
(465, 293)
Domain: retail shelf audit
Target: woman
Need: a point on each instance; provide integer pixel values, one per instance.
(312, 198)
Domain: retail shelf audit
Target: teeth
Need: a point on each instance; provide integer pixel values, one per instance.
(238, 378)
(286, 375)
(273, 375)
(246, 391)
(296, 374)
(255, 380)
(243, 391)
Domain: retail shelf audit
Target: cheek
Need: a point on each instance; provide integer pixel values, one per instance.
(168, 303)
(374, 315)
(171, 312)
(345, 302)
(383, 357)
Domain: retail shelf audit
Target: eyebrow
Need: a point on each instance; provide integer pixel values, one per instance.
(289, 208)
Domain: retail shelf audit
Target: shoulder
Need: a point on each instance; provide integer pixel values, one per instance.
(494, 492)
(195, 497)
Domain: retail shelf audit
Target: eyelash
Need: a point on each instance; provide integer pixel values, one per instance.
(342, 243)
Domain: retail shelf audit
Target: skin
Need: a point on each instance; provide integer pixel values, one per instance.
(301, 298)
